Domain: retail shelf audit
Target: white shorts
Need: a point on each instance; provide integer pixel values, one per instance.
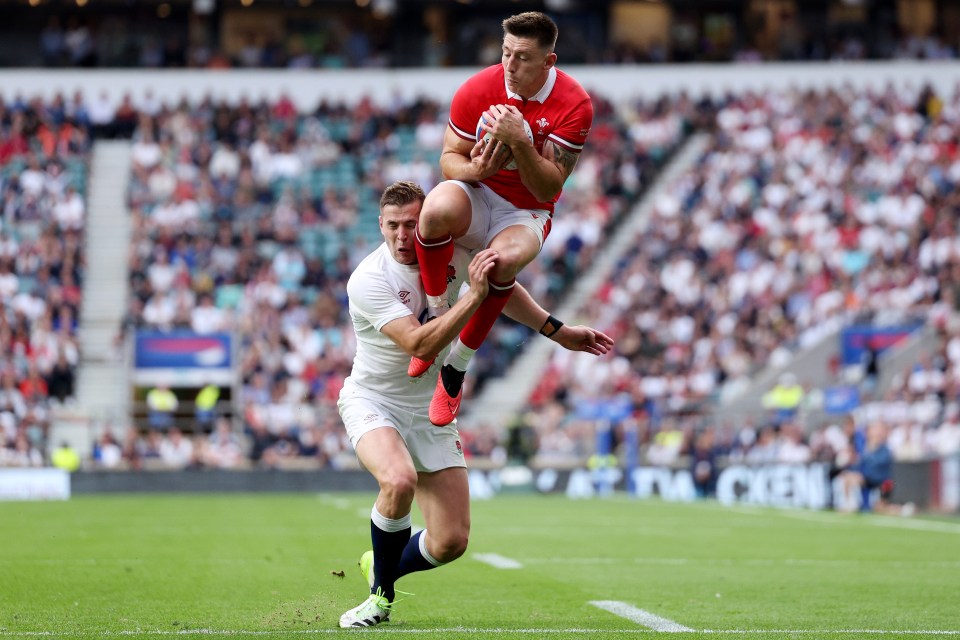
(491, 214)
(432, 448)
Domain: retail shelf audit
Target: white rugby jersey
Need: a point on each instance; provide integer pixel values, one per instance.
(380, 290)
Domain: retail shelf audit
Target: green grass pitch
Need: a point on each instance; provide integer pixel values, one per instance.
(264, 566)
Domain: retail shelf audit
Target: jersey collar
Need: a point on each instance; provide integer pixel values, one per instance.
(540, 96)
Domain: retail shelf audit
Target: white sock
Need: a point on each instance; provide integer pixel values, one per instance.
(438, 304)
(389, 524)
(426, 554)
(459, 356)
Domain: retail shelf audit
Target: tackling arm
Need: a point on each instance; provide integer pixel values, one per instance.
(427, 340)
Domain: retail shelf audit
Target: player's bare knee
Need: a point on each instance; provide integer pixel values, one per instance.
(451, 545)
(433, 222)
(438, 218)
(506, 268)
(511, 259)
(446, 210)
(399, 487)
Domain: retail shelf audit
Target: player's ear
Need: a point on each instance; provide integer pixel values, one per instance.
(550, 60)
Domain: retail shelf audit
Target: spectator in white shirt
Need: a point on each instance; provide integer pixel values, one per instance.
(946, 438)
(791, 448)
(222, 449)
(9, 282)
(206, 318)
(145, 152)
(69, 210)
(225, 161)
(33, 179)
(101, 111)
(176, 451)
(161, 273)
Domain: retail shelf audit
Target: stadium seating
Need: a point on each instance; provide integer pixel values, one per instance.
(44, 156)
(808, 209)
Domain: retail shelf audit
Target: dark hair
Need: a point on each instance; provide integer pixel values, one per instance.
(402, 192)
(533, 24)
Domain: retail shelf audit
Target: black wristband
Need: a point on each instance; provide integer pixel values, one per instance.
(550, 327)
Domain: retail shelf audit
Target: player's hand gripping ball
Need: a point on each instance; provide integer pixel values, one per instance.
(486, 136)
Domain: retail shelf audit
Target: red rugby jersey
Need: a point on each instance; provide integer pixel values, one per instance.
(561, 111)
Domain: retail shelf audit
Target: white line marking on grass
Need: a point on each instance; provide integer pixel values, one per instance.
(337, 503)
(815, 516)
(761, 562)
(639, 616)
(919, 525)
(497, 561)
(470, 630)
(865, 632)
(875, 520)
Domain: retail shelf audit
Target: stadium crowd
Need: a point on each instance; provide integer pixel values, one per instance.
(807, 211)
(342, 42)
(922, 405)
(44, 152)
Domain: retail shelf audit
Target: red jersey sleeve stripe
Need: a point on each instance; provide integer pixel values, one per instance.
(566, 143)
(466, 135)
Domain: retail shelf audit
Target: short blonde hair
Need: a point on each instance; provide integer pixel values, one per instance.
(402, 192)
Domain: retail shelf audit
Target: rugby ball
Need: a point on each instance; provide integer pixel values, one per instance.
(486, 136)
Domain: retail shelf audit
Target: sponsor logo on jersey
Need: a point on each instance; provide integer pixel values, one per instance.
(459, 448)
(404, 296)
(370, 417)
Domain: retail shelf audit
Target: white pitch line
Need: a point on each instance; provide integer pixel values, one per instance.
(640, 616)
(835, 632)
(873, 519)
(469, 630)
(763, 562)
(919, 525)
(497, 561)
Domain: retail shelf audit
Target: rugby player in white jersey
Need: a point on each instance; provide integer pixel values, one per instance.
(385, 411)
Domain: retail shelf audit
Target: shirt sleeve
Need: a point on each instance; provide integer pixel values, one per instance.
(374, 301)
(572, 132)
(463, 112)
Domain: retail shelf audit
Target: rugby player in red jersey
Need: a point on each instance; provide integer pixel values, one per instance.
(484, 204)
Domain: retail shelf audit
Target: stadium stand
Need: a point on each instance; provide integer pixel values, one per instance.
(377, 35)
(44, 154)
(808, 208)
(250, 217)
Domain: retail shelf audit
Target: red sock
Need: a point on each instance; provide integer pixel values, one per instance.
(434, 257)
(483, 318)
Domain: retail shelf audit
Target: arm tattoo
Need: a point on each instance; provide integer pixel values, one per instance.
(566, 159)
